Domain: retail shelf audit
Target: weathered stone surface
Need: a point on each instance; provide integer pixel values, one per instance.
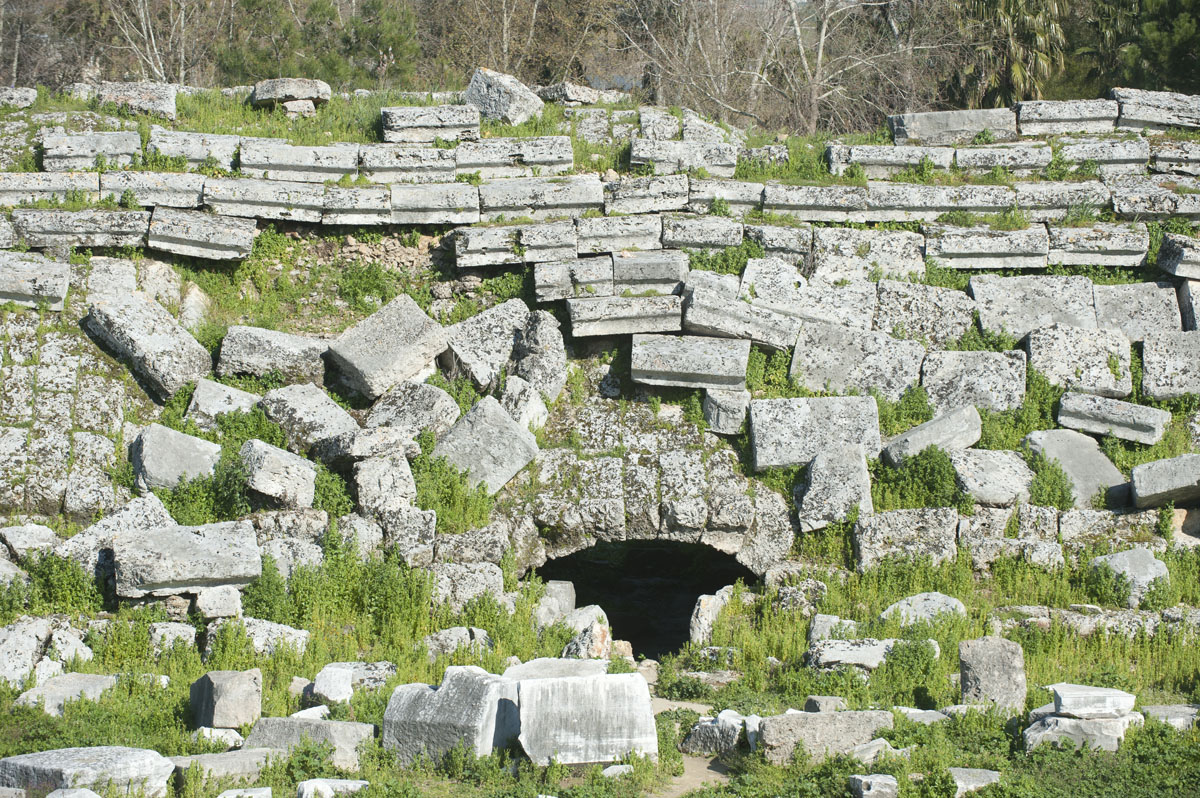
(658, 124)
(1155, 110)
(1089, 703)
(787, 432)
(586, 719)
(89, 228)
(1051, 117)
(81, 151)
(1171, 364)
(394, 343)
(907, 533)
(227, 699)
(793, 244)
(690, 361)
(1043, 201)
(906, 202)
(266, 637)
(18, 97)
(924, 608)
(153, 189)
(493, 158)
(146, 97)
(1099, 244)
(1180, 157)
(163, 457)
(359, 206)
(879, 162)
(258, 351)
(1019, 159)
(741, 197)
(725, 411)
(1091, 361)
(646, 194)
(502, 97)
(954, 429)
(1137, 309)
(540, 197)
(307, 415)
(268, 93)
(329, 788)
(1160, 481)
(817, 203)
(925, 313)
(992, 478)
(158, 349)
(531, 243)
(700, 232)
(28, 539)
(819, 734)
(616, 233)
(876, 786)
(671, 157)
(1086, 466)
(1180, 256)
(1105, 734)
(448, 641)
(992, 671)
(245, 765)
(1154, 197)
(273, 159)
(1120, 156)
(286, 733)
(771, 283)
(488, 444)
(27, 187)
(985, 248)
(1017, 305)
(621, 315)
(398, 163)
(481, 346)
(991, 380)
(384, 485)
(201, 235)
(265, 199)
(195, 148)
(129, 769)
(29, 279)
(283, 478)
(1101, 416)
(425, 124)
(173, 560)
(52, 694)
(415, 406)
(1179, 716)
(711, 736)
(646, 272)
(711, 312)
(953, 127)
(837, 483)
(1138, 568)
(834, 357)
(969, 780)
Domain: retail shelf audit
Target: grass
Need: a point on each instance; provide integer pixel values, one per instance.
(460, 505)
(926, 479)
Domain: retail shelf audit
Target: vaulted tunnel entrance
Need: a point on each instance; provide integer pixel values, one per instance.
(647, 588)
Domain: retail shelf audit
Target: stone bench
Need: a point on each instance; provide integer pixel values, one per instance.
(71, 152)
(429, 123)
(540, 197)
(396, 163)
(17, 188)
(515, 157)
(196, 234)
(197, 149)
(1023, 158)
(907, 202)
(618, 233)
(647, 194)
(363, 206)
(272, 159)
(1055, 117)
(1156, 110)
(935, 128)
(817, 203)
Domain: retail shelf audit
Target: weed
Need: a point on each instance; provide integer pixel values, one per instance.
(926, 479)
(719, 207)
(911, 409)
(984, 137)
(1051, 487)
(366, 287)
(729, 260)
(460, 506)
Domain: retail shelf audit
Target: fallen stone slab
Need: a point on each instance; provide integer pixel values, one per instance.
(28, 540)
(306, 414)
(130, 769)
(23, 188)
(788, 432)
(1179, 157)
(163, 457)
(992, 478)
(488, 444)
(985, 248)
(1017, 305)
(426, 124)
(358, 206)
(1111, 156)
(90, 228)
(623, 315)
(1188, 294)
(347, 448)
(674, 157)
(395, 343)
(725, 411)
(540, 197)
(82, 151)
(880, 162)
(338, 681)
(793, 244)
(925, 313)
(153, 189)
(415, 406)
(690, 361)
(277, 91)
(1017, 159)
(1045, 201)
(1088, 703)
(817, 203)
(286, 733)
(1098, 415)
(837, 482)
(908, 202)
(954, 429)
(502, 97)
(18, 97)
(865, 654)
(284, 479)
(1138, 569)
(646, 194)
(700, 232)
(196, 149)
(834, 357)
(1105, 734)
(1171, 480)
(448, 641)
(1170, 368)
(142, 332)
(991, 380)
(145, 97)
(201, 235)
(258, 351)
(52, 694)
(273, 159)
(455, 584)
(1155, 110)
(243, 765)
(1179, 716)
(712, 736)
(992, 671)
(481, 346)
(516, 244)
(953, 127)
(227, 699)
(713, 313)
(400, 163)
(265, 199)
(1052, 117)
(586, 719)
(173, 560)
(30, 280)
(617, 233)
(494, 158)
(931, 533)
(739, 197)
(1099, 244)
(1154, 197)
(842, 253)
(471, 708)
(659, 123)
(1091, 361)
(969, 780)
(1180, 256)
(819, 734)
(1089, 470)
(642, 273)
(328, 788)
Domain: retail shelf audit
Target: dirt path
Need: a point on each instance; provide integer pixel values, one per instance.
(698, 771)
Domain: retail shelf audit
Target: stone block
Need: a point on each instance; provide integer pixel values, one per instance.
(258, 351)
(90, 228)
(991, 380)
(1155, 110)
(357, 206)
(227, 699)
(1180, 256)
(395, 343)
(771, 283)
(819, 734)
(842, 253)
(132, 770)
(265, 199)
(938, 316)
(992, 478)
(276, 91)
(1155, 197)
(837, 483)
(265, 637)
(658, 124)
(648, 272)
(908, 202)
(1170, 367)
(145, 97)
(953, 127)
(586, 719)
(414, 406)
(1105, 734)
(1016, 305)
(306, 414)
(284, 479)
(690, 361)
(1171, 480)
(876, 786)
(502, 97)
(82, 151)
(1091, 703)
(1091, 361)
(1099, 244)
(992, 670)
(1044, 201)
(646, 194)
(195, 234)
(195, 148)
(710, 312)
(672, 157)
(287, 733)
(623, 315)
(1179, 157)
(1098, 415)
(984, 248)
(1053, 117)
(739, 196)
(434, 203)
(163, 457)
(531, 243)
(923, 608)
(793, 244)
(153, 189)
(215, 602)
(178, 559)
(54, 693)
(244, 765)
(481, 346)
(1138, 569)
(931, 532)
(488, 444)
(700, 232)
(399, 163)
(969, 780)
(817, 203)
(954, 429)
(1178, 716)
(29, 279)
(725, 411)
(1089, 470)
(1017, 159)
(1112, 156)
(788, 432)
(273, 159)
(515, 157)
(425, 124)
(17, 98)
(834, 357)
(880, 162)
(18, 188)
(540, 197)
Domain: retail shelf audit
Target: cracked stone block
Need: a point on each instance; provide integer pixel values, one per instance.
(1180, 256)
(649, 272)
(907, 202)
(740, 196)
(1170, 364)
(20, 188)
(959, 428)
(1052, 117)
(170, 560)
(258, 351)
(1180, 157)
(201, 235)
(415, 406)
(817, 203)
(929, 533)
(1098, 415)
(1160, 481)
(395, 343)
(426, 124)
(1091, 473)
(155, 189)
(926, 313)
(632, 195)
(306, 414)
(488, 444)
(1045, 201)
(725, 411)
(398, 163)
(690, 361)
(700, 232)
(195, 148)
(788, 432)
(793, 244)
(30, 280)
(384, 485)
(1091, 361)
(163, 457)
(285, 479)
(819, 735)
(834, 357)
(1099, 244)
(991, 380)
(265, 199)
(1019, 159)
(616, 719)
(515, 157)
(211, 399)
(88, 228)
(1111, 156)
(1016, 305)
(992, 478)
(711, 312)
(359, 206)
(850, 254)
(880, 162)
(502, 97)
(837, 483)
(953, 127)
(275, 160)
(481, 346)
(83, 151)
(621, 315)
(771, 283)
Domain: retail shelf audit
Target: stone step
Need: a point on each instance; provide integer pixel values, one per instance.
(404, 163)
(272, 159)
(90, 228)
(624, 315)
(265, 199)
(690, 361)
(515, 157)
(196, 234)
(428, 123)
(152, 189)
(540, 197)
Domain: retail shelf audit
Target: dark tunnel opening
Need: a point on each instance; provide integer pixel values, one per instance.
(647, 588)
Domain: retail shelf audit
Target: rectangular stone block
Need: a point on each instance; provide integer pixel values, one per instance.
(953, 127)
(1179, 255)
(617, 233)
(552, 281)
(527, 243)
(1155, 110)
(198, 149)
(838, 358)
(541, 197)
(133, 771)
(515, 157)
(1171, 364)
(930, 532)
(700, 232)
(1155, 197)
(710, 312)
(672, 157)
(1112, 156)
(1179, 157)
(586, 719)
(926, 313)
(272, 159)
(790, 432)
(425, 124)
(646, 194)
(1161, 481)
(793, 244)
(1098, 415)
(985, 248)
(80, 151)
(434, 203)
(401, 163)
(29, 279)
(817, 203)
(91, 228)
(394, 343)
(1018, 159)
(624, 315)
(654, 271)
(196, 234)
(358, 206)
(592, 277)
(1046, 201)
(152, 189)
(1099, 244)
(489, 444)
(265, 199)
(1017, 305)
(1188, 293)
(845, 253)
(879, 162)
(1137, 309)
(741, 197)
(1054, 117)
(991, 380)
(1092, 360)
(690, 361)
(819, 734)
(17, 188)
(907, 202)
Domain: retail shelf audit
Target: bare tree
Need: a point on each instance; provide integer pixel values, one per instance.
(168, 38)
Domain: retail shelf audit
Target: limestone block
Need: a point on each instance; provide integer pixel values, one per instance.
(82, 151)
(502, 97)
(163, 457)
(1180, 256)
(876, 786)
(1043, 201)
(838, 358)
(793, 244)
(265, 636)
(992, 671)
(708, 312)
(273, 159)
(842, 253)
(690, 361)
(740, 196)
(879, 162)
(1091, 361)
(90, 228)
(1155, 110)
(195, 148)
(671, 157)
(433, 203)
(306, 414)
(959, 428)
(907, 533)
(906, 202)
(144, 97)
(819, 734)
(1179, 157)
(622, 315)
(258, 351)
(1090, 703)
(54, 693)
(201, 235)
(134, 770)
(787, 432)
(923, 608)
(29, 279)
(18, 98)
(1137, 309)
(700, 232)
(953, 127)
(658, 123)
(646, 194)
(488, 444)
(541, 197)
(530, 243)
(1052, 117)
(17, 188)
(1105, 734)
(286, 733)
(515, 157)
(648, 272)
(481, 346)
(425, 124)
(984, 248)
(400, 163)
(1017, 305)
(1090, 472)
(265, 199)
(357, 206)
(725, 411)
(837, 482)
(1099, 244)
(1112, 156)
(617, 233)
(925, 313)
(1102, 416)
(268, 93)
(586, 719)
(244, 765)
(395, 343)
(817, 203)
(1139, 569)
(227, 699)
(287, 480)
(771, 283)
(153, 189)
(1018, 159)
(1154, 197)
(992, 478)
(1160, 481)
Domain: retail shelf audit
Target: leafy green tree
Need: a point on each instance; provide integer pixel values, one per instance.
(1021, 50)
(1165, 53)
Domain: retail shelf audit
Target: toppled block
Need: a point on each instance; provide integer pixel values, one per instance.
(1099, 244)
(690, 361)
(931, 532)
(515, 157)
(992, 671)
(1128, 156)
(658, 124)
(18, 188)
(788, 432)
(623, 315)
(649, 272)
(285, 479)
(618, 233)
(488, 444)
(278, 91)
(425, 124)
(154, 189)
(1084, 702)
(845, 253)
(647, 194)
(1137, 309)
(923, 312)
(1180, 256)
(709, 312)
(258, 351)
(306, 414)
(792, 243)
(837, 483)
(211, 399)
(541, 197)
(739, 197)
(879, 162)
(54, 693)
(1179, 157)
(725, 411)
(171, 560)
(955, 429)
(197, 149)
(357, 206)
(265, 199)
(145, 97)
(273, 159)
(984, 248)
(163, 457)
(140, 330)
(437, 203)
(30, 280)
(1105, 734)
(1155, 110)
(586, 719)
(1043, 201)
(482, 345)
(835, 357)
(953, 127)
(227, 699)
(527, 243)
(992, 478)
(396, 163)
(1092, 361)
(819, 734)
(1160, 481)
(133, 770)
(1017, 305)
(286, 733)
(817, 203)
(196, 234)
(395, 343)
(91, 228)
(1137, 569)
(1170, 364)
(503, 97)
(907, 202)
(1090, 471)
(700, 232)
(1017, 159)
(1102, 416)
(82, 151)
(1053, 117)
(673, 157)
(771, 283)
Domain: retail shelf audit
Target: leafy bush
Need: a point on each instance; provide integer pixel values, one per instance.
(462, 389)
(767, 374)
(1006, 429)
(926, 479)
(1051, 487)
(366, 287)
(913, 408)
(460, 506)
(1105, 586)
(266, 597)
(57, 584)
